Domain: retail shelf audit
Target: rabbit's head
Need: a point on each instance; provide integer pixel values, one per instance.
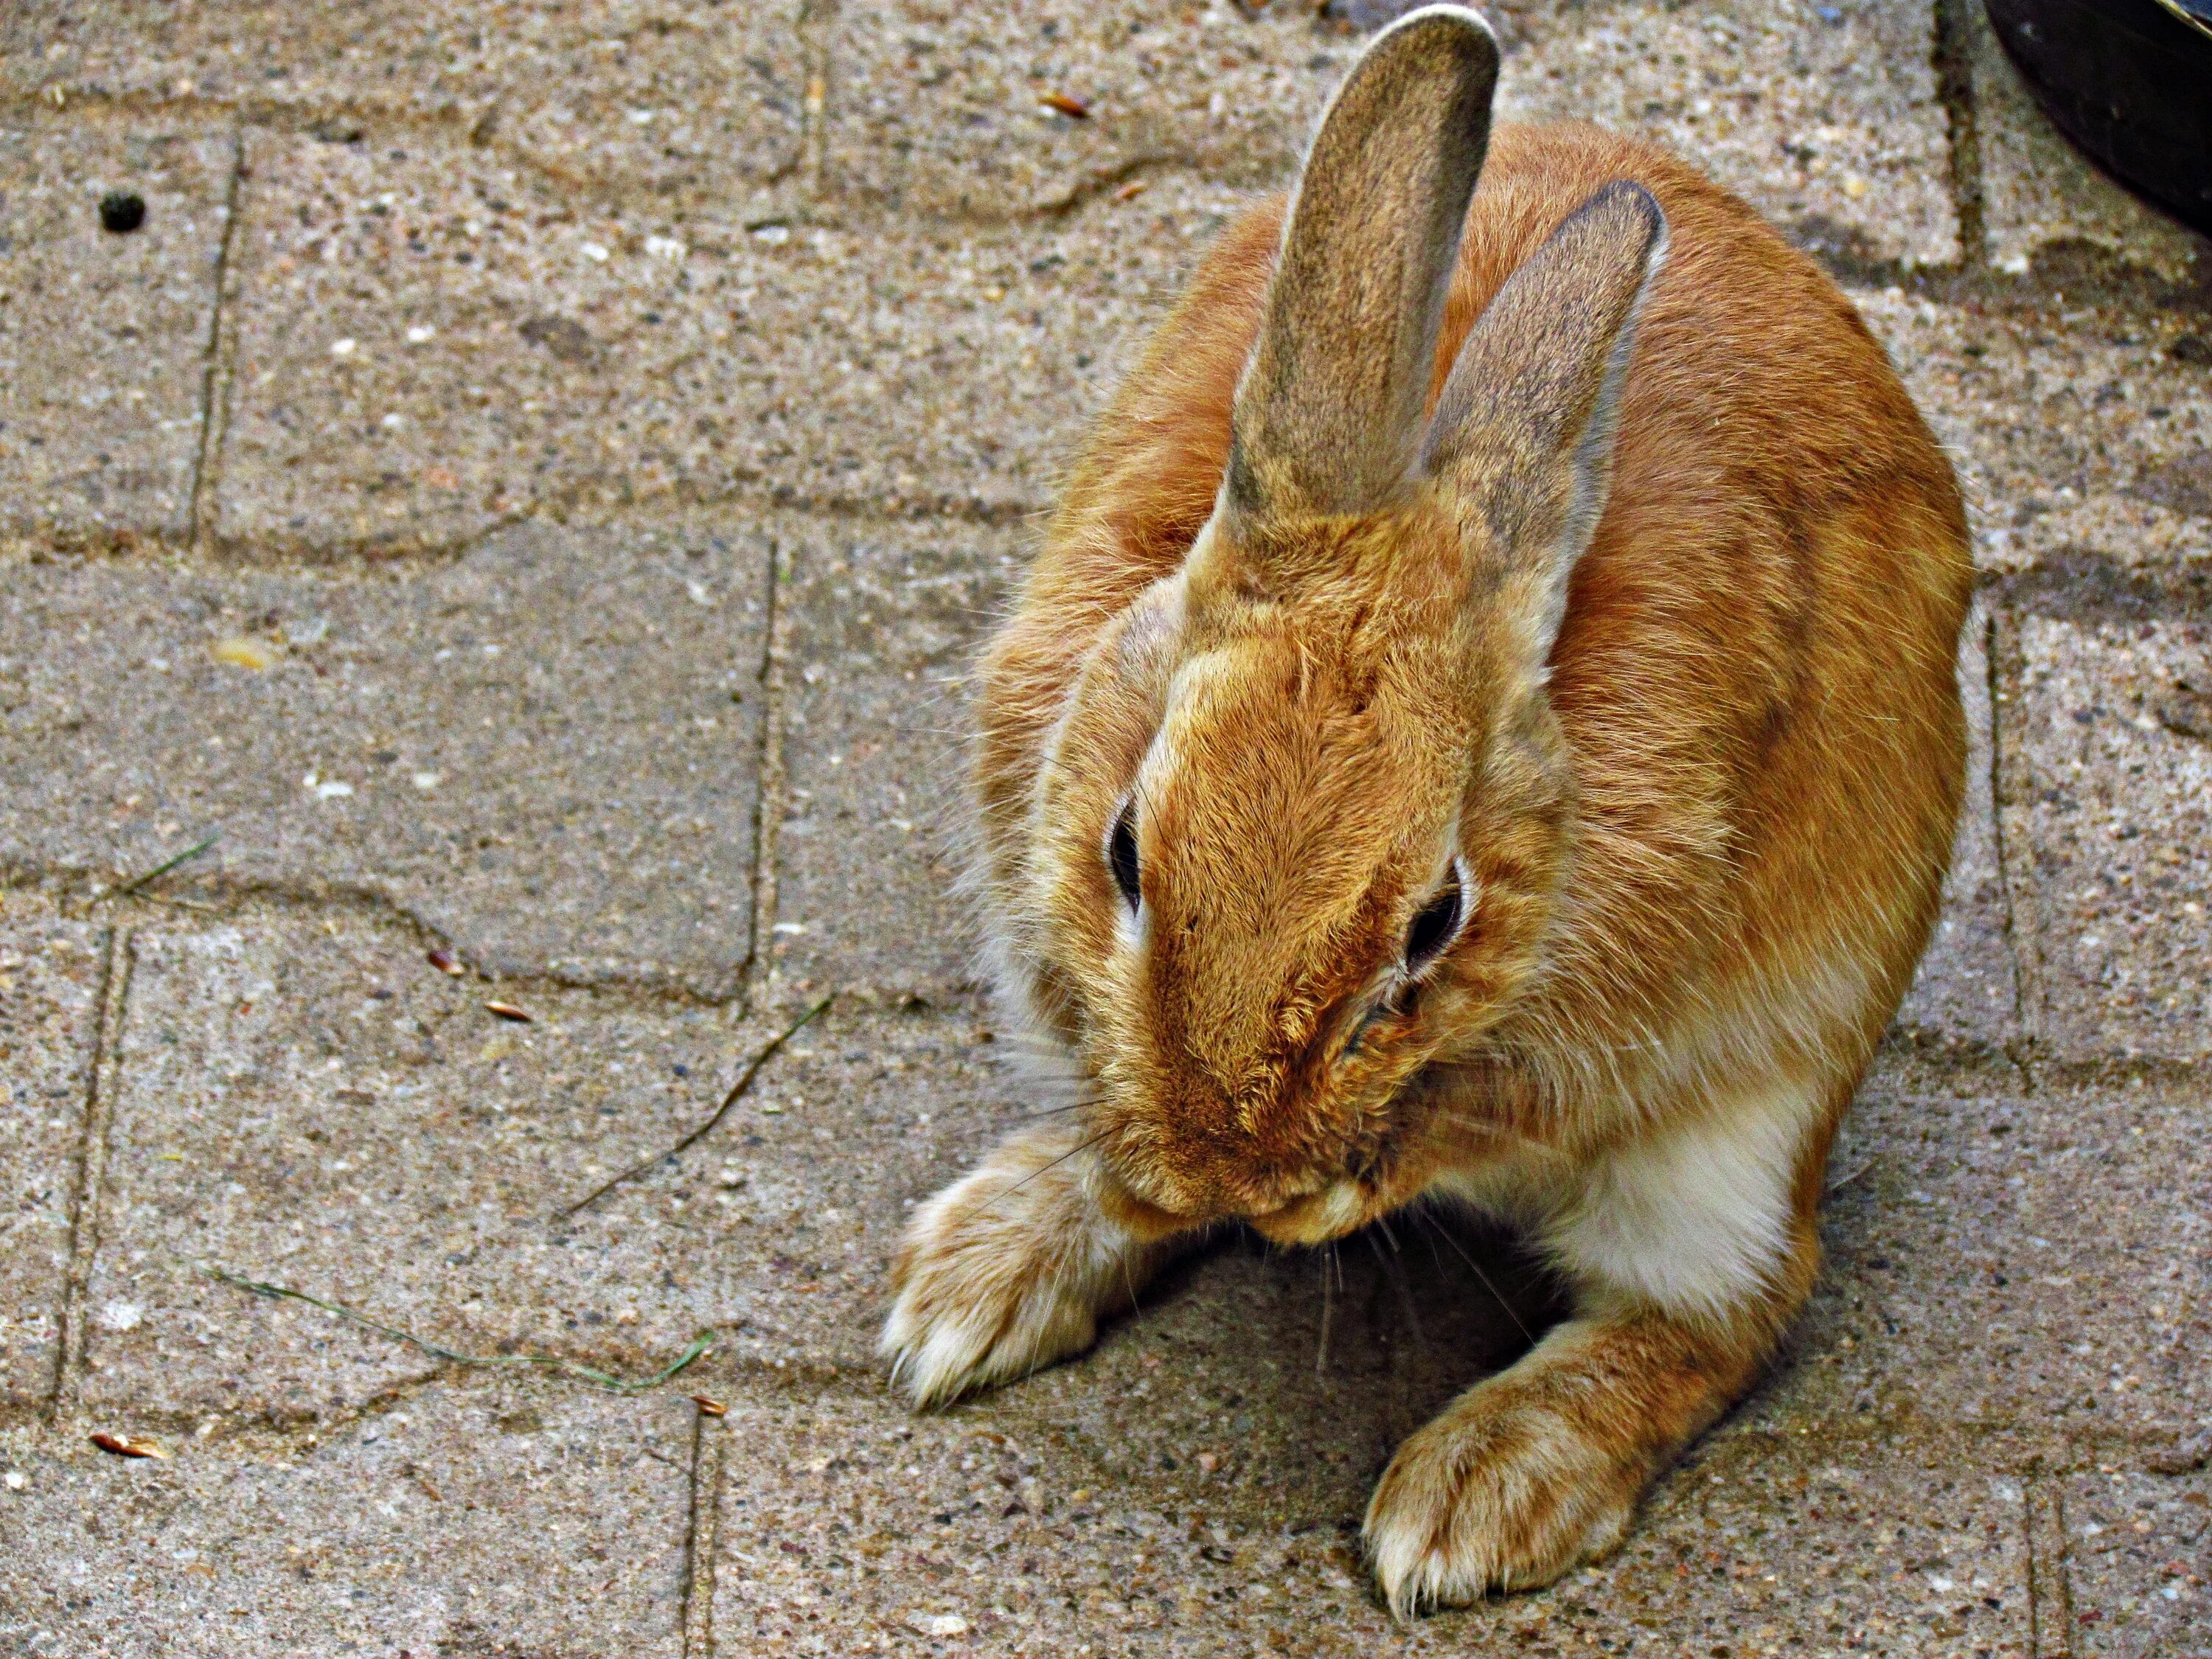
(1305, 817)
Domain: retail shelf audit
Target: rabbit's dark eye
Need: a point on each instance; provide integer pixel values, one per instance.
(1436, 926)
(1122, 853)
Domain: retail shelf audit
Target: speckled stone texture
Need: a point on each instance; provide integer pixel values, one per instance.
(1824, 118)
(543, 750)
(51, 971)
(104, 334)
(430, 342)
(883, 624)
(372, 1541)
(2115, 714)
(325, 1108)
(532, 487)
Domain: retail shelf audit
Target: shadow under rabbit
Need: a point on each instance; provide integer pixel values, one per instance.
(1271, 1387)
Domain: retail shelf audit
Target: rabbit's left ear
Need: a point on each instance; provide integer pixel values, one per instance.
(1328, 417)
(1524, 431)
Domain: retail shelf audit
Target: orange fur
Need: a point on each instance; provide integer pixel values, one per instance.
(1705, 834)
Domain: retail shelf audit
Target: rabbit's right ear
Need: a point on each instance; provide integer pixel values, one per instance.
(1328, 418)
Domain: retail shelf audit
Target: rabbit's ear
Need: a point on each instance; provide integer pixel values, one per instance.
(1524, 431)
(1328, 417)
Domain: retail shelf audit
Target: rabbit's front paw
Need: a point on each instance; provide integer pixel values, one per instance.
(1004, 1271)
(1504, 1493)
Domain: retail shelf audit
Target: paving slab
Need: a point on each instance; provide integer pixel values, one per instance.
(689, 101)
(2074, 430)
(938, 109)
(2043, 202)
(845, 1528)
(2111, 807)
(1826, 118)
(478, 1517)
(1828, 122)
(1776, 1542)
(2139, 1564)
(1967, 989)
(51, 972)
(317, 1106)
(103, 335)
(429, 342)
(885, 621)
(2035, 1264)
(545, 750)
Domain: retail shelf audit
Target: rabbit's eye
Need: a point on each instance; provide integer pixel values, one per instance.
(1122, 853)
(1436, 925)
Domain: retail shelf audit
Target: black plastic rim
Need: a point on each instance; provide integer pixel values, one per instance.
(2128, 81)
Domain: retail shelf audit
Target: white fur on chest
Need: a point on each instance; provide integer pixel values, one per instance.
(1693, 1218)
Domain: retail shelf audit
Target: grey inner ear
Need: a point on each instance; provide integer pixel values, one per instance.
(1328, 418)
(1526, 427)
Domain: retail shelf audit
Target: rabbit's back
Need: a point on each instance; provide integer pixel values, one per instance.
(1756, 672)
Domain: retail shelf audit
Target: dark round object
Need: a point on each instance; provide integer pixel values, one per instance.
(2129, 82)
(122, 211)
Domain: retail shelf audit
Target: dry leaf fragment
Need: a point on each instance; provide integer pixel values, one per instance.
(508, 1010)
(125, 1445)
(1075, 108)
(709, 1407)
(239, 652)
(1130, 192)
(444, 963)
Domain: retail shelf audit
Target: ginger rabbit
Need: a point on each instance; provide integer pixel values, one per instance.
(1481, 729)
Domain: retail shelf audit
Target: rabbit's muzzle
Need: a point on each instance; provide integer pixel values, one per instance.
(1301, 1181)
(1344, 1205)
